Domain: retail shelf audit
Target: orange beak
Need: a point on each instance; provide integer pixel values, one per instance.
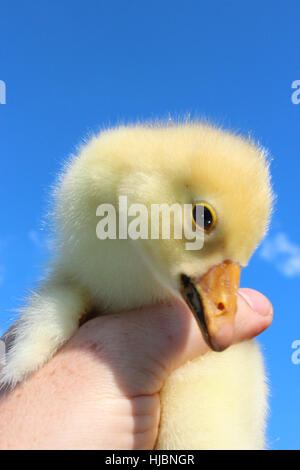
(213, 301)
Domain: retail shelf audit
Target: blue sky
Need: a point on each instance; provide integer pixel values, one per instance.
(72, 67)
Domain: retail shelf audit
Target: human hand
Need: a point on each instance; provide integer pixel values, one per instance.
(101, 390)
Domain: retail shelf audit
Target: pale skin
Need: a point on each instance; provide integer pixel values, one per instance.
(101, 390)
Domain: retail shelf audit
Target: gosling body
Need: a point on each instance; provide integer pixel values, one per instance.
(219, 400)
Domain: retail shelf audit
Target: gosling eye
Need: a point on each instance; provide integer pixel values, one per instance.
(204, 216)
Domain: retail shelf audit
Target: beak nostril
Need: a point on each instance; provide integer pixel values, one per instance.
(221, 306)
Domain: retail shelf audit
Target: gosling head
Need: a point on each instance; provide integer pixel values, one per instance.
(225, 181)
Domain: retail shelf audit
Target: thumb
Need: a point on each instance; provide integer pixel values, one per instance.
(254, 314)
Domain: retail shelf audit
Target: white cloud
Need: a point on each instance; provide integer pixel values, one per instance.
(39, 240)
(292, 266)
(283, 253)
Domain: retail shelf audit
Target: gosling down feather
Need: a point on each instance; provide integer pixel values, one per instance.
(216, 401)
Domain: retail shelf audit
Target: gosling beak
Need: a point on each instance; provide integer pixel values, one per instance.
(212, 299)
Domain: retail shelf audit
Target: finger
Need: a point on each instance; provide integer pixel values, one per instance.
(254, 315)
